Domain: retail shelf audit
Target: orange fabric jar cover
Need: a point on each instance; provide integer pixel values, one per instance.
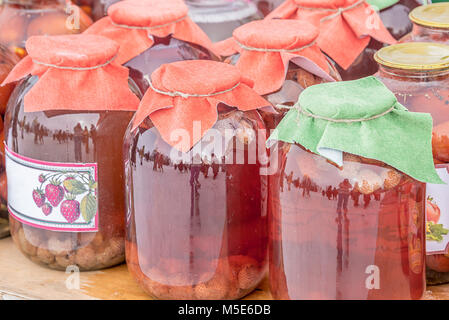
(346, 26)
(133, 23)
(76, 72)
(186, 91)
(267, 46)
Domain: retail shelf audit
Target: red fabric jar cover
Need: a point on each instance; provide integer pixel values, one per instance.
(266, 48)
(133, 23)
(76, 72)
(346, 26)
(186, 91)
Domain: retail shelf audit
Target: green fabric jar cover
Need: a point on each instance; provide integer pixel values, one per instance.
(382, 4)
(364, 118)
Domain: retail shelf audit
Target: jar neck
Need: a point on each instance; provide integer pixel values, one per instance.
(413, 75)
(435, 33)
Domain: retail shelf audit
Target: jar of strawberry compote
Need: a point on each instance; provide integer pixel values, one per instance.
(430, 24)
(418, 74)
(350, 32)
(197, 135)
(346, 206)
(219, 18)
(63, 131)
(282, 58)
(151, 33)
(20, 19)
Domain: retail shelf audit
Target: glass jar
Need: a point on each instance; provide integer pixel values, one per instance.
(211, 243)
(64, 166)
(257, 58)
(396, 20)
(332, 228)
(20, 19)
(418, 74)
(166, 47)
(219, 18)
(430, 24)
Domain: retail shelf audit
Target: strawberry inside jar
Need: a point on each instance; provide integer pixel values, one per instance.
(211, 243)
(63, 152)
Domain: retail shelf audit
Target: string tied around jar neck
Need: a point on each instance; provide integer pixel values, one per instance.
(50, 65)
(301, 110)
(250, 48)
(187, 95)
(149, 28)
(336, 13)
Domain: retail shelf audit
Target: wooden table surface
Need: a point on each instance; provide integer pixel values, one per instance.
(22, 279)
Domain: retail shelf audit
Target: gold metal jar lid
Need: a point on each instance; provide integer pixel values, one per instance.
(414, 56)
(434, 15)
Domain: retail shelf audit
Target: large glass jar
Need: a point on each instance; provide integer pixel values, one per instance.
(211, 243)
(430, 24)
(349, 225)
(330, 229)
(20, 19)
(219, 18)
(418, 74)
(358, 28)
(69, 208)
(395, 19)
(165, 48)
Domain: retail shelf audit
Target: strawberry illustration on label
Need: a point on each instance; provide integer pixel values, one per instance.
(70, 210)
(38, 197)
(54, 193)
(47, 209)
(432, 211)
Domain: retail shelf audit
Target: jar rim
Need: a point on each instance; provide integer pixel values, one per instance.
(418, 56)
(434, 15)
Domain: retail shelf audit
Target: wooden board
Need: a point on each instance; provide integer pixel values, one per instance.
(22, 279)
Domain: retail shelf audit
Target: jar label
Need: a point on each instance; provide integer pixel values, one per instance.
(437, 214)
(51, 195)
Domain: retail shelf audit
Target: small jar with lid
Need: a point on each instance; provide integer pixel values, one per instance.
(350, 32)
(282, 58)
(21, 19)
(418, 74)
(197, 135)
(64, 131)
(219, 18)
(346, 205)
(151, 33)
(430, 24)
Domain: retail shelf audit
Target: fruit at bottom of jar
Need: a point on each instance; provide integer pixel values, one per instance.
(437, 262)
(233, 278)
(58, 250)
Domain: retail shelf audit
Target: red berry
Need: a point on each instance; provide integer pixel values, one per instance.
(54, 194)
(70, 209)
(42, 178)
(38, 197)
(46, 209)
